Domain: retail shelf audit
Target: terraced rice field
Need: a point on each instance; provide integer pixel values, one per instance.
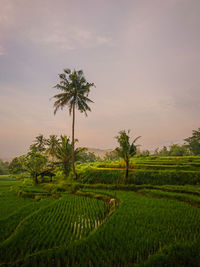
(149, 227)
(145, 170)
(47, 224)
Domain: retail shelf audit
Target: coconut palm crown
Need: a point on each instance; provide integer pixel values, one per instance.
(74, 95)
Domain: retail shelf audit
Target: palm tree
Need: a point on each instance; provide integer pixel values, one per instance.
(64, 153)
(52, 144)
(40, 143)
(126, 149)
(75, 90)
(34, 163)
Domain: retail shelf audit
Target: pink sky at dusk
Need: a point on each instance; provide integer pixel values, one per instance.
(142, 55)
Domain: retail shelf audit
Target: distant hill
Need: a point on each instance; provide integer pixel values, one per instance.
(99, 152)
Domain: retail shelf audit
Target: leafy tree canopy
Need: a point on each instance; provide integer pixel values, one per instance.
(193, 142)
(3, 167)
(35, 164)
(126, 149)
(64, 154)
(15, 165)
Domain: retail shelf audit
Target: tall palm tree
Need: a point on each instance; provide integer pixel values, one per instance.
(75, 90)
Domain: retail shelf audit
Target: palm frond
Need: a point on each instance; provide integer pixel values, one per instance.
(75, 90)
(136, 139)
(67, 71)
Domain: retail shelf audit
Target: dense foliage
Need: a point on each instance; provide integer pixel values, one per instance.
(35, 164)
(193, 142)
(16, 166)
(3, 167)
(126, 150)
(148, 170)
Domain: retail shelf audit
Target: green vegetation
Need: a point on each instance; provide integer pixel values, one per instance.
(3, 167)
(58, 224)
(15, 165)
(190, 198)
(148, 170)
(189, 148)
(64, 152)
(126, 150)
(102, 221)
(46, 223)
(14, 208)
(149, 217)
(34, 163)
(193, 142)
(138, 231)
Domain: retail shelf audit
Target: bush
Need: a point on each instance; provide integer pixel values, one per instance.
(115, 176)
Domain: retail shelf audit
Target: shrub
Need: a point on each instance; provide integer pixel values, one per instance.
(115, 176)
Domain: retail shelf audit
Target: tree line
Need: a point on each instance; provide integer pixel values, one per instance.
(4, 167)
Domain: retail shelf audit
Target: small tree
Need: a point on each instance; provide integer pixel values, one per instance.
(126, 150)
(3, 167)
(64, 154)
(164, 152)
(35, 164)
(193, 142)
(87, 156)
(178, 150)
(112, 155)
(15, 166)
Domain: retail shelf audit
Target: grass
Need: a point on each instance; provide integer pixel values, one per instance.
(30, 226)
(143, 170)
(190, 163)
(194, 200)
(142, 226)
(157, 221)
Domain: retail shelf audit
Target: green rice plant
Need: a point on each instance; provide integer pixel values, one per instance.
(177, 254)
(152, 163)
(142, 226)
(195, 200)
(115, 176)
(56, 225)
(8, 224)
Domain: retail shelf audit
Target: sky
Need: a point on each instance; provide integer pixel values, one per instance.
(142, 55)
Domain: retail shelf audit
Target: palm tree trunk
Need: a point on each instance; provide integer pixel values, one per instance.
(35, 179)
(126, 174)
(73, 157)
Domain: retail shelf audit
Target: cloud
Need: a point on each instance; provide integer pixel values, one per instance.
(58, 29)
(70, 38)
(89, 39)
